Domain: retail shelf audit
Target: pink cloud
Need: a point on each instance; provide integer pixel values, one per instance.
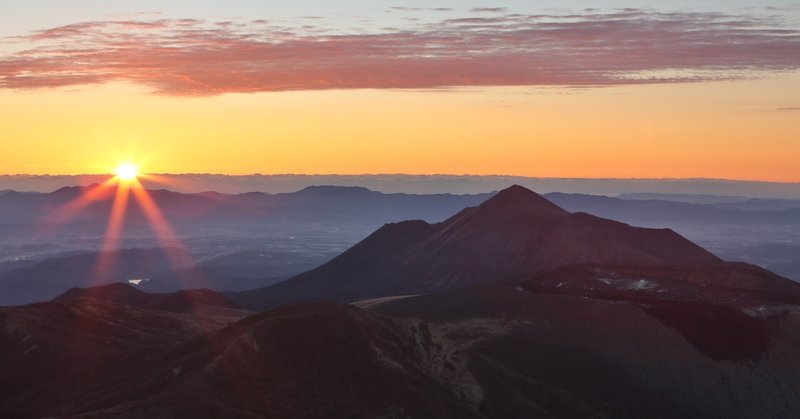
(192, 57)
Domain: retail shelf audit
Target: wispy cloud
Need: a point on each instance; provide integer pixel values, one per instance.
(489, 10)
(421, 9)
(193, 57)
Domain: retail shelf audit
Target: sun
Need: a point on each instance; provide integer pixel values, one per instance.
(127, 171)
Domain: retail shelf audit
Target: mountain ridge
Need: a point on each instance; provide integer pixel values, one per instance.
(179, 301)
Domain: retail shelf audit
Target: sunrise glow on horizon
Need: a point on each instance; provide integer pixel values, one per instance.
(553, 94)
(127, 171)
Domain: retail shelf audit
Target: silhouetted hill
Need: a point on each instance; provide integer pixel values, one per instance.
(180, 301)
(512, 233)
(60, 358)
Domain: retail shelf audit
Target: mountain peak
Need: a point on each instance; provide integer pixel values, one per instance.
(332, 189)
(518, 198)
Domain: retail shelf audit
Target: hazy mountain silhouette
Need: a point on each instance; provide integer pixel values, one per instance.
(656, 211)
(363, 206)
(316, 203)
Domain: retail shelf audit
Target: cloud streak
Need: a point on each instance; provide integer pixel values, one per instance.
(187, 57)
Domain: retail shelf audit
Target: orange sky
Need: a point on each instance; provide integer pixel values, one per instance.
(714, 129)
(732, 129)
(244, 87)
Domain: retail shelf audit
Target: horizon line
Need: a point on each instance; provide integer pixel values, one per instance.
(462, 175)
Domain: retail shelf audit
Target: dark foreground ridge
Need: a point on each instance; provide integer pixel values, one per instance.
(180, 301)
(302, 361)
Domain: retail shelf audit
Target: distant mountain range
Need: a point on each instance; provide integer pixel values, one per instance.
(317, 204)
(668, 212)
(716, 200)
(420, 184)
(359, 205)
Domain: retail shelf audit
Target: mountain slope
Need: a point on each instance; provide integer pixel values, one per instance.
(57, 358)
(302, 361)
(658, 348)
(512, 233)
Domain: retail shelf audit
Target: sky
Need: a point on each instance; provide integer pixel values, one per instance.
(548, 89)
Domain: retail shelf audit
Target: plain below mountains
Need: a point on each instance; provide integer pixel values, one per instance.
(152, 270)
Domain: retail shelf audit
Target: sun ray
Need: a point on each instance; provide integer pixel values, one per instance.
(171, 245)
(55, 219)
(118, 189)
(106, 259)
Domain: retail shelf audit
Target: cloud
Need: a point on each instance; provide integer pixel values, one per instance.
(420, 9)
(192, 57)
(488, 10)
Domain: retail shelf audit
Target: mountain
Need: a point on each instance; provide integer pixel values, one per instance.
(95, 358)
(514, 232)
(179, 301)
(62, 356)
